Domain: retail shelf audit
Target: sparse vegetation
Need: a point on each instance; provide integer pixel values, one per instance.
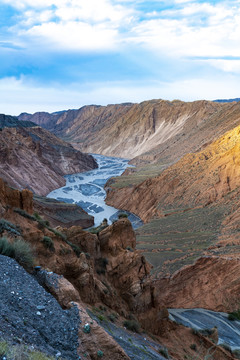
(132, 325)
(21, 352)
(235, 315)
(100, 353)
(129, 248)
(164, 352)
(122, 216)
(9, 227)
(193, 347)
(48, 243)
(112, 317)
(24, 214)
(19, 250)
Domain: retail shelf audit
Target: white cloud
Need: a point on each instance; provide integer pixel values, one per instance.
(227, 65)
(198, 30)
(188, 30)
(74, 36)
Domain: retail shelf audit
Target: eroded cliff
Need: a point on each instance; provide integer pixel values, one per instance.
(33, 158)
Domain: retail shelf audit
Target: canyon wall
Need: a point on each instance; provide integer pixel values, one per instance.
(33, 158)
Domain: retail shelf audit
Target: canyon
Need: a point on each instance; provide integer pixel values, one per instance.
(184, 186)
(103, 277)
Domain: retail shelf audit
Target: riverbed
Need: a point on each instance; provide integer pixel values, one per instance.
(86, 189)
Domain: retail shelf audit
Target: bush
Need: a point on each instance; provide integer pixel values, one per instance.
(235, 315)
(112, 317)
(100, 353)
(122, 215)
(129, 248)
(9, 227)
(164, 352)
(19, 250)
(193, 347)
(132, 325)
(24, 214)
(48, 243)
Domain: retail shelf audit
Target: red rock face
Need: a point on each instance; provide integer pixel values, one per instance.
(35, 159)
(212, 283)
(197, 179)
(15, 198)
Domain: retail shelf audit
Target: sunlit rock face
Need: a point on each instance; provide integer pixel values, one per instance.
(32, 158)
(198, 179)
(146, 129)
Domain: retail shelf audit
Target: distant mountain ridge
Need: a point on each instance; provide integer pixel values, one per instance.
(150, 132)
(227, 100)
(12, 121)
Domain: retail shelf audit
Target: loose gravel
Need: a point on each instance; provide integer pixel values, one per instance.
(30, 315)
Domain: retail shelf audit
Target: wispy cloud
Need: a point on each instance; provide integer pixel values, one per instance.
(67, 42)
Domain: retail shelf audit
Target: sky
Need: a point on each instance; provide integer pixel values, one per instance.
(63, 54)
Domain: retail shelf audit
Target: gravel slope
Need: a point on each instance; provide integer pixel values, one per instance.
(31, 315)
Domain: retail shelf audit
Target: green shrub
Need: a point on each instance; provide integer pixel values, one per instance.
(129, 248)
(58, 233)
(235, 315)
(24, 214)
(48, 243)
(75, 248)
(193, 347)
(112, 317)
(100, 353)
(19, 250)
(37, 216)
(132, 325)
(164, 352)
(122, 215)
(101, 317)
(9, 227)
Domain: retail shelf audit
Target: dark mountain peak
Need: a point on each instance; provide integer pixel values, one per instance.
(12, 121)
(227, 100)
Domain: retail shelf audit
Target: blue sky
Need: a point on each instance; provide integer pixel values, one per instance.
(61, 54)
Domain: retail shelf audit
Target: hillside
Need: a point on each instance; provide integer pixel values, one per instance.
(156, 130)
(191, 209)
(33, 158)
(102, 270)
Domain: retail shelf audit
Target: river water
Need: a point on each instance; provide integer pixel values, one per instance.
(87, 190)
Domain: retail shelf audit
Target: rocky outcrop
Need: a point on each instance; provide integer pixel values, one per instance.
(31, 157)
(100, 269)
(15, 199)
(211, 283)
(62, 214)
